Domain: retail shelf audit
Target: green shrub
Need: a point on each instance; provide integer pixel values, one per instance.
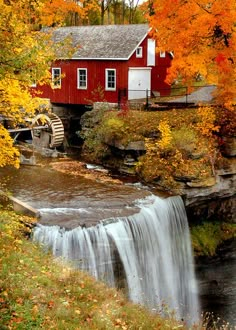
(112, 129)
(209, 235)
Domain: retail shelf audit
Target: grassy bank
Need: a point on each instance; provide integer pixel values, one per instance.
(36, 292)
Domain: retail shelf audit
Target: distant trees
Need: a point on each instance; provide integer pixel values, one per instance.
(115, 12)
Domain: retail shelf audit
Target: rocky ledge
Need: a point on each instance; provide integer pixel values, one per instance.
(216, 198)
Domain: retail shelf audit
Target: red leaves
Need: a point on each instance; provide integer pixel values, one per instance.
(220, 59)
(50, 304)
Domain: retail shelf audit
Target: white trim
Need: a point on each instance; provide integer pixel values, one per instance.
(97, 59)
(140, 68)
(151, 52)
(33, 85)
(107, 88)
(58, 84)
(33, 77)
(78, 78)
(162, 54)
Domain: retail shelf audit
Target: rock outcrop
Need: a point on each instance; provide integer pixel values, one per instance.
(218, 200)
(211, 198)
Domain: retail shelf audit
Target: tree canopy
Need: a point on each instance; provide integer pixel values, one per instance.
(202, 36)
(25, 57)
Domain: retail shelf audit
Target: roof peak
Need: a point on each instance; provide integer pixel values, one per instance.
(103, 41)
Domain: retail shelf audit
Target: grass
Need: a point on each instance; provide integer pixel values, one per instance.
(207, 237)
(39, 292)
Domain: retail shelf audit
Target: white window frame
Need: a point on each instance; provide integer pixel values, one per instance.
(139, 52)
(107, 87)
(33, 84)
(56, 78)
(162, 54)
(33, 78)
(79, 86)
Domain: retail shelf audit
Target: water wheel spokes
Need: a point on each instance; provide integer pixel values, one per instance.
(50, 133)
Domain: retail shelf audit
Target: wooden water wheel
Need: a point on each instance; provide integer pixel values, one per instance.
(52, 133)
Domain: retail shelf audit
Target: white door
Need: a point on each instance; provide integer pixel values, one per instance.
(139, 82)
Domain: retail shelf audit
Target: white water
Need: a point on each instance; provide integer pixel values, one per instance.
(153, 246)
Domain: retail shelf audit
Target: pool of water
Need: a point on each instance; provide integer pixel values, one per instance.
(69, 200)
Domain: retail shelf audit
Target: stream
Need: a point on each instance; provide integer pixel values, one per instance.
(71, 201)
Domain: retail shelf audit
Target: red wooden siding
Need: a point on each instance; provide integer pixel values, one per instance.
(159, 73)
(70, 94)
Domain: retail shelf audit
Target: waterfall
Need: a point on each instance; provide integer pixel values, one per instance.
(153, 247)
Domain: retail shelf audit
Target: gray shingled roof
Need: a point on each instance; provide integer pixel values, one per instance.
(103, 41)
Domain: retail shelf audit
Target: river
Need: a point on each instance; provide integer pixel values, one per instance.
(72, 201)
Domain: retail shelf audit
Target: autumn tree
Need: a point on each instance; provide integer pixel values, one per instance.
(69, 12)
(25, 57)
(202, 36)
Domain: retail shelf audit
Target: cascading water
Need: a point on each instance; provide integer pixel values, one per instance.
(153, 247)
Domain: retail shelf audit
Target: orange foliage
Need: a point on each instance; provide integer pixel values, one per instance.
(207, 121)
(202, 36)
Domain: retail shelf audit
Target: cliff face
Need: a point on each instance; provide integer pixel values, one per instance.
(218, 199)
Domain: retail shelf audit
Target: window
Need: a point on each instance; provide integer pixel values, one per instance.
(163, 54)
(110, 79)
(82, 78)
(139, 52)
(56, 77)
(33, 78)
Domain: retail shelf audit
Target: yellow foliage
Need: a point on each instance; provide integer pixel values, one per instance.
(16, 102)
(166, 137)
(25, 57)
(9, 155)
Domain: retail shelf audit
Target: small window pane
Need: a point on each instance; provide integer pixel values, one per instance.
(139, 52)
(110, 79)
(82, 78)
(56, 77)
(33, 78)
